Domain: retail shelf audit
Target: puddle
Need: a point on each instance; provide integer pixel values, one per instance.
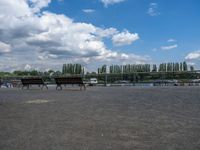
(37, 101)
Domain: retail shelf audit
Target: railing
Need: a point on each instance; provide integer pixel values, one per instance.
(186, 77)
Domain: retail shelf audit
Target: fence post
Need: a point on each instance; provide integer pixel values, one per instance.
(106, 79)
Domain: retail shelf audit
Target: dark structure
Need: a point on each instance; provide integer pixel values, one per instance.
(69, 80)
(33, 81)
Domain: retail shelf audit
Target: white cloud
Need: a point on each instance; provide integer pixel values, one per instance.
(191, 63)
(14, 8)
(44, 39)
(37, 5)
(106, 32)
(22, 8)
(27, 67)
(4, 48)
(153, 10)
(171, 40)
(124, 38)
(193, 55)
(169, 47)
(88, 10)
(193, 59)
(111, 2)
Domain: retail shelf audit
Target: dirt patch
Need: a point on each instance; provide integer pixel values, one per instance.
(37, 101)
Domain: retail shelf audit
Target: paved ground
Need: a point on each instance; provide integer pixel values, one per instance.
(101, 118)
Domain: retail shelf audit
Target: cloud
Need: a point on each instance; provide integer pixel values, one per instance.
(169, 47)
(30, 35)
(106, 33)
(124, 38)
(88, 10)
(14, 8)
(37, 5)
(111, 2)
(153, 10)
(191, 63)
(171, 40)
(193, 55)
(27, 67)
(193, 58)
(4, 48)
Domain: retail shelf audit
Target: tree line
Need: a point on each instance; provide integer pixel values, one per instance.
(30, 73)
(132, 68)
(73, 69)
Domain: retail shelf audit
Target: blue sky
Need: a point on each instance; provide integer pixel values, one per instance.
(150, 31)
(176, 19)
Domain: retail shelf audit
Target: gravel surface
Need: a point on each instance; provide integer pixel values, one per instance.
(100, 118)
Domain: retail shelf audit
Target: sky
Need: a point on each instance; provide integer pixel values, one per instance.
(44, 34)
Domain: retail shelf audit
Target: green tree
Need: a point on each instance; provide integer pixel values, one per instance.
(102, 70)
(191, 68)
(154, 68)
(185, 68)
(181, 66)
(177, 68)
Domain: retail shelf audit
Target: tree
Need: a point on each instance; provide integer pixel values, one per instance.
(181, 66)
(169, 67)
(177, 68)
(51, 72)
(33, 73)
(57, 73)
(115, 69)
(185, 68)
(64, 69)
(102, 70)
(163, 67)
(154, 68)
(191, 68)
(72, 69)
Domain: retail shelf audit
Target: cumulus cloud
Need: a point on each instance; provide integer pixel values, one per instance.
(193, 55)
(37, 5)
(170, 47)
(13, 8)
(106, 33)
(47, 39)
(88, 10)
(193, 58)
(111, 2)
(124, 38)
(153, 10)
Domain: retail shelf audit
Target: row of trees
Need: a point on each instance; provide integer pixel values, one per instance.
(72, 69)
(35, 73)
(169, 67)
(131, 68)
(115, 69)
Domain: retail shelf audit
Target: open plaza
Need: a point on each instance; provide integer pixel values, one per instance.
(100, 118)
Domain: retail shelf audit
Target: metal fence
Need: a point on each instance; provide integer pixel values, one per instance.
(142, 78)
